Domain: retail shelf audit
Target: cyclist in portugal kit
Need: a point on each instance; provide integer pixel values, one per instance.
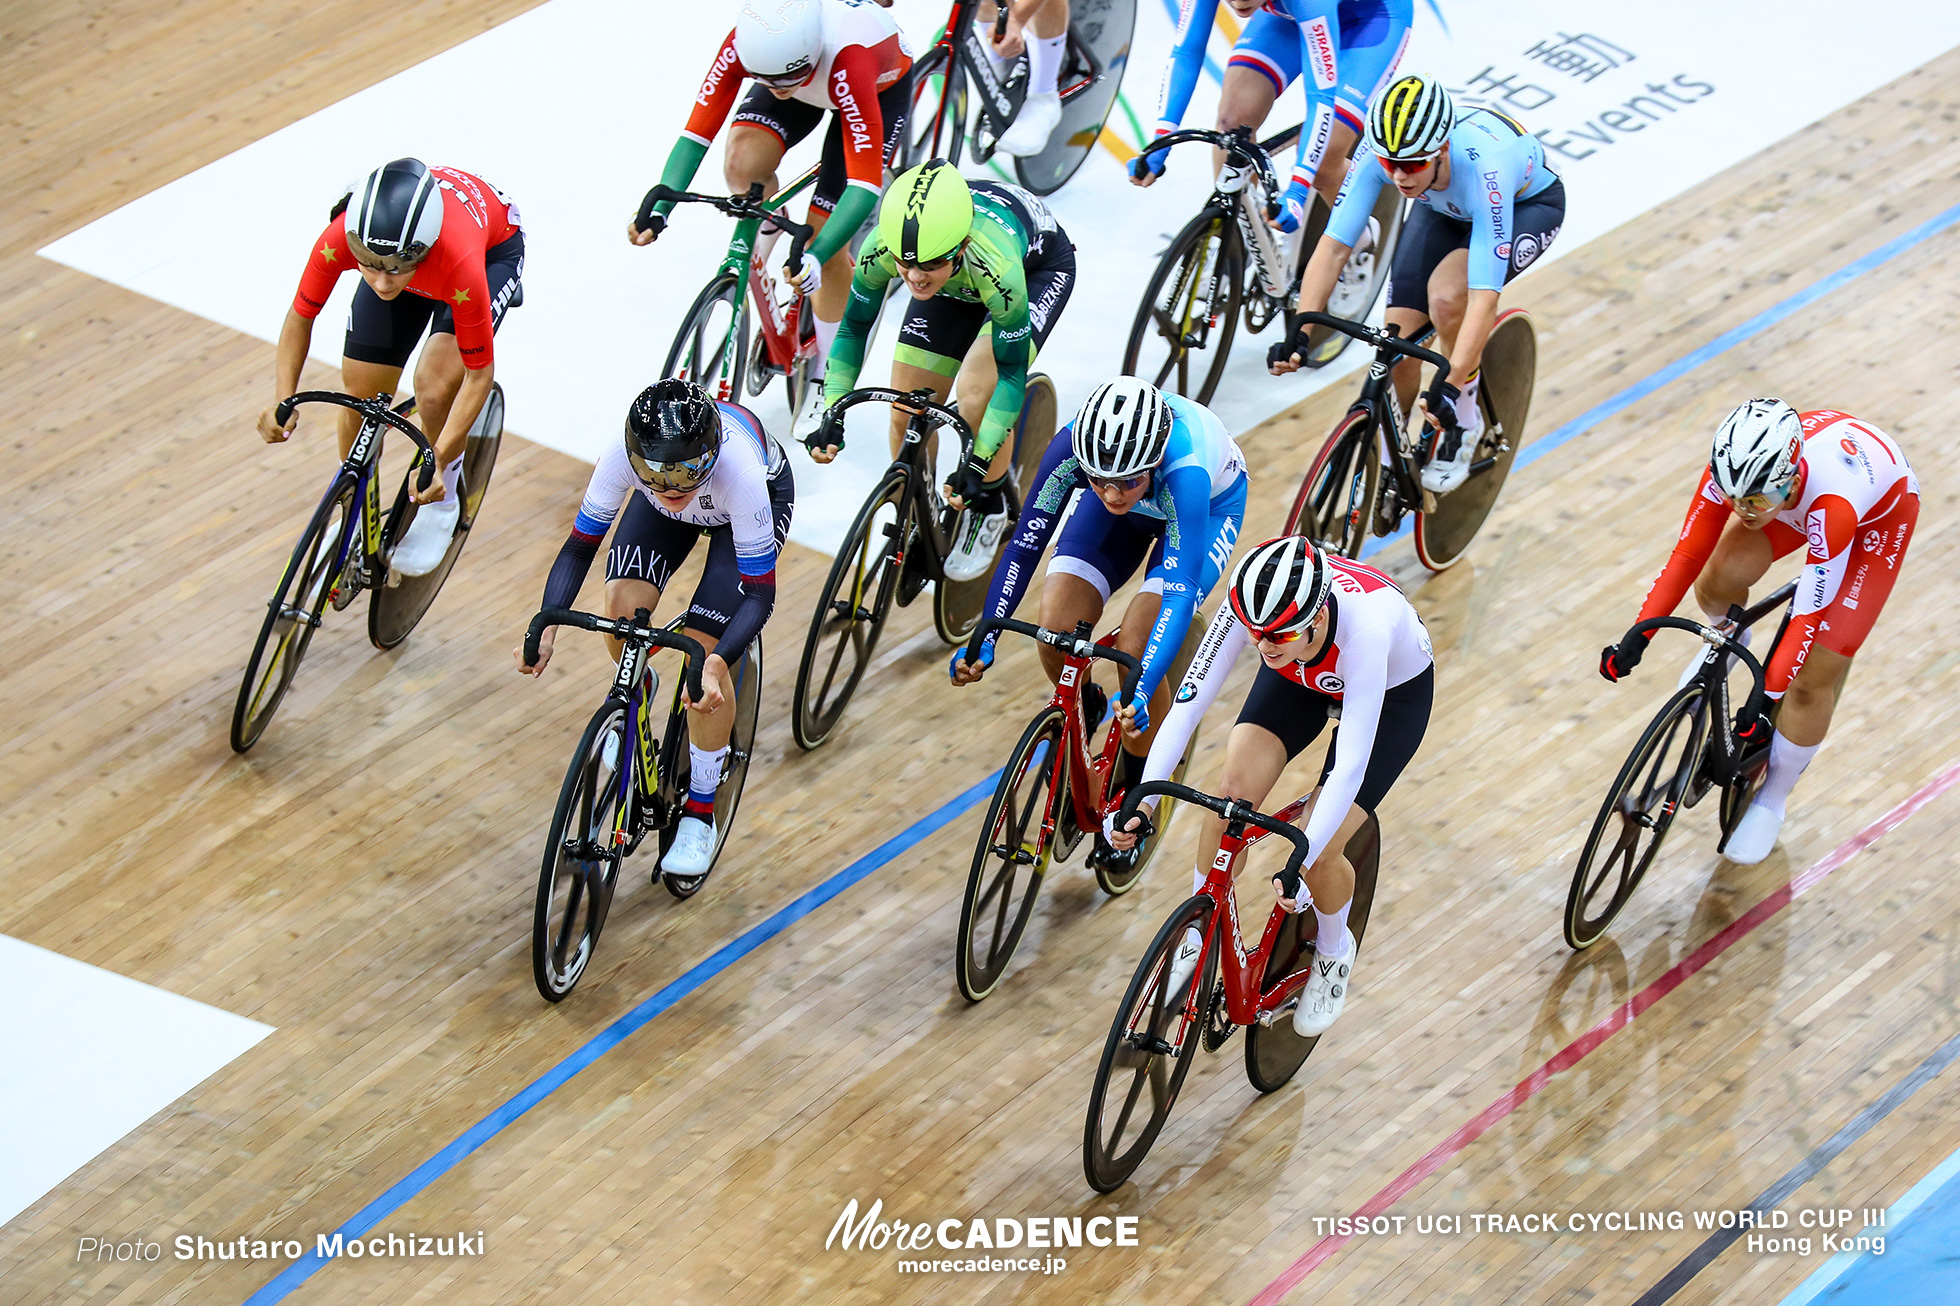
(989, 271)
(688, 466)
(437, 249)
(1779, 481)
(1333, 636)
(807, 58)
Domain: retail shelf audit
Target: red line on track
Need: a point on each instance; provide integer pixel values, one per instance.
(1621, 1017)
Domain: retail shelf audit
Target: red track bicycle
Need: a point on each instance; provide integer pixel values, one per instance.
(1158, 1028)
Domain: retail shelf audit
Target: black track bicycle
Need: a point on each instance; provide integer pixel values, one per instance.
(1691, 746)
(624, 784)
(1229, 261)
(897, 545)
(346, 546)
(1348, 494)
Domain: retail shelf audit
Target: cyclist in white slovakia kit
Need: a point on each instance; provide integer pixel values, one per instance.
(1335, 638)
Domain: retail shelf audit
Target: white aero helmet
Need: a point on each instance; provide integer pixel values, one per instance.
(1757, 449)
(1411, 118)
(1280, 586)
(394, 214)
(1123, 429)
(780, 41)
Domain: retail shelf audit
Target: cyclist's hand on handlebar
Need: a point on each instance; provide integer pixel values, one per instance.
(1146, 168)
(545, 639)
(806, 279)
(1439, 406)
(712, 670)
(1617, 660)
(269, 429)
(1752, 726)
(1133, 832)
(1293, 204)
(1134, 718)
(646, 225)
(1011, 42)
(1290, 354)
(968, 483)
(1294, 897)
(827, 440)
(964, 672)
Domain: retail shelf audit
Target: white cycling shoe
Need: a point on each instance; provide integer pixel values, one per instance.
(1184, 962)
(1326, 991)
(1039, 117)
(420, 551)
(693, 850)
(978, 539)
(1755, 835)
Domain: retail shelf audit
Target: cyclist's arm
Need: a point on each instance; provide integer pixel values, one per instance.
(612, 480)
(711, 108)
(1217, 652)
(1194, 23)
(752, 521)
(1187, 533)
(1013, 344)
(1055, 484)
(868, 283)
(1707, 514)
(854, 83)
(1364, 672)
(1834, 524)
(1352, 209)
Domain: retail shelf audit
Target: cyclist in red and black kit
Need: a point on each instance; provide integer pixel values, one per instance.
(806, 57)
(437, 249)
(1779, 481)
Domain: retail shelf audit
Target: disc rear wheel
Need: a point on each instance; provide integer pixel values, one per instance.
(1093, 62)
(1509, 366)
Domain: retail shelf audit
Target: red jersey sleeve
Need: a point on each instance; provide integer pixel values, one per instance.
(328, 258)
(718, 91)
(854, 94)
(1703, 527)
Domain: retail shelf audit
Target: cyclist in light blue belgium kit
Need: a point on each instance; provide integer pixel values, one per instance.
(1165, 481)
(1342, 52)
(1486, 206)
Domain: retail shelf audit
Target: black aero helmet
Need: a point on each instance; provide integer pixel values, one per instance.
(673, 435)
(394, 214)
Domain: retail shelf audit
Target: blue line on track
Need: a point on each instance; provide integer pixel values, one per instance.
(740, 946)
(1926, 1264)
(616, 1033)
(1720, 345)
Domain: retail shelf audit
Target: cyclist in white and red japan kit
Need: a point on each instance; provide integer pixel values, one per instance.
(1779, 481)
(807, 58)
(1330, 633)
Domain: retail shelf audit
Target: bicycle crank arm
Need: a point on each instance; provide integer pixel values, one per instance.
(300, 615)
(1156, 1044)
(1019, 856)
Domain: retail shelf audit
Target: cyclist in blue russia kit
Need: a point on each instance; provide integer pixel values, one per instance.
(1165, 483)
(1341, 51)
(1487, 204)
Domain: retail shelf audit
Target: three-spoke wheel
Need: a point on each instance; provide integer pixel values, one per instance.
(1182, 336)
(1010, 857)
(1335, 505)
(582, 854)
(293, 614)
(851, 611)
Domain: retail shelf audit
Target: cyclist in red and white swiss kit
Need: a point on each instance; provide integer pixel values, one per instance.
(1335, 638)
(1778, 481)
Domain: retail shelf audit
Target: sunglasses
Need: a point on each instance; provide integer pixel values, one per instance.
(391, 266)
(1407, 167)
(1122, 484)
(673, 478)
(927, 265)
(1286, 636)
(1758, 504)
(784, 81)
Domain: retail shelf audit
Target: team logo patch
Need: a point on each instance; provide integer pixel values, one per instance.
(1186, 692)
(1528, 249)
(1504, 250)
(1329, 683)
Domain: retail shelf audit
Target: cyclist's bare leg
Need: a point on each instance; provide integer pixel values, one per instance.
(1449, 299)
(709, 731)
(1331, 877)
(908, 377)
(363, 381)
(1254, 757)
(1065, 600)
(1805, 716)
(752, 156)
(1408, 372)
(624, 597)
(1333, 168)
(1243, 101)
(835, 291)
(975, 386)
(438, 376)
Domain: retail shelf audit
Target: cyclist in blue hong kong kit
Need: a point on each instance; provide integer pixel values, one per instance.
(1164, 481)
(688, 466)
(1486, 206)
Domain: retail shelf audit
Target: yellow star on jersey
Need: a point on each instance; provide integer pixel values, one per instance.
(328, 253)
(461, 296)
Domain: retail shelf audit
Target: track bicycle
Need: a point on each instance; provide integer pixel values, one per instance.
(346, 546)
(1366, 476)
(712, 347)
(1157, 1031)
(1690, 747)
(1191, 306)
(1052, 791)
(956, 91)
(622, 785)
(897, 545)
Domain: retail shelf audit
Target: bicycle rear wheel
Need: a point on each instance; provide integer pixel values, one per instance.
(1033, 433)
(999, 896)
(1148, 1052)
(1093, 64)
(1509, 365)
(293, 613)
(677, 767)
(581, 856)
(1274, 1053)
(712, 347)
(1190, 309)
(396, 608)
(1335, 505)
(1635, 817)
(850, 616)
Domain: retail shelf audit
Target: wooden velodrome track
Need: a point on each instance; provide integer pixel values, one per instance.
(363, 880)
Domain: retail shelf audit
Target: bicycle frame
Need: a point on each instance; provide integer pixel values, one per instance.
(364, 462)
(1723, 758)
(966, 56)
(1247, 206)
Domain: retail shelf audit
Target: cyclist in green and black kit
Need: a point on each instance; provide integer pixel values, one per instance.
(975, 256)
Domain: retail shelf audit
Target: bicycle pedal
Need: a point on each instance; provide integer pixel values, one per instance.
(1019, 856)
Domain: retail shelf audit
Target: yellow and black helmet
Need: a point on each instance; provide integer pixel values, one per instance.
(1411, 118)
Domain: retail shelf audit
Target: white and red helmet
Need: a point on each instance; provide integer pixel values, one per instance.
(1757, 450)
(1280, 586)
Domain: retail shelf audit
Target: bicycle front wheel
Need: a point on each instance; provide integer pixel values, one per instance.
(1093, 63)
(293, 613)
(1182, 335)
(1335, 505)
(581, 856)
(711, 348)
(1011, 856)
(851, 611)
(1635, 817)
(1148, 1052)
